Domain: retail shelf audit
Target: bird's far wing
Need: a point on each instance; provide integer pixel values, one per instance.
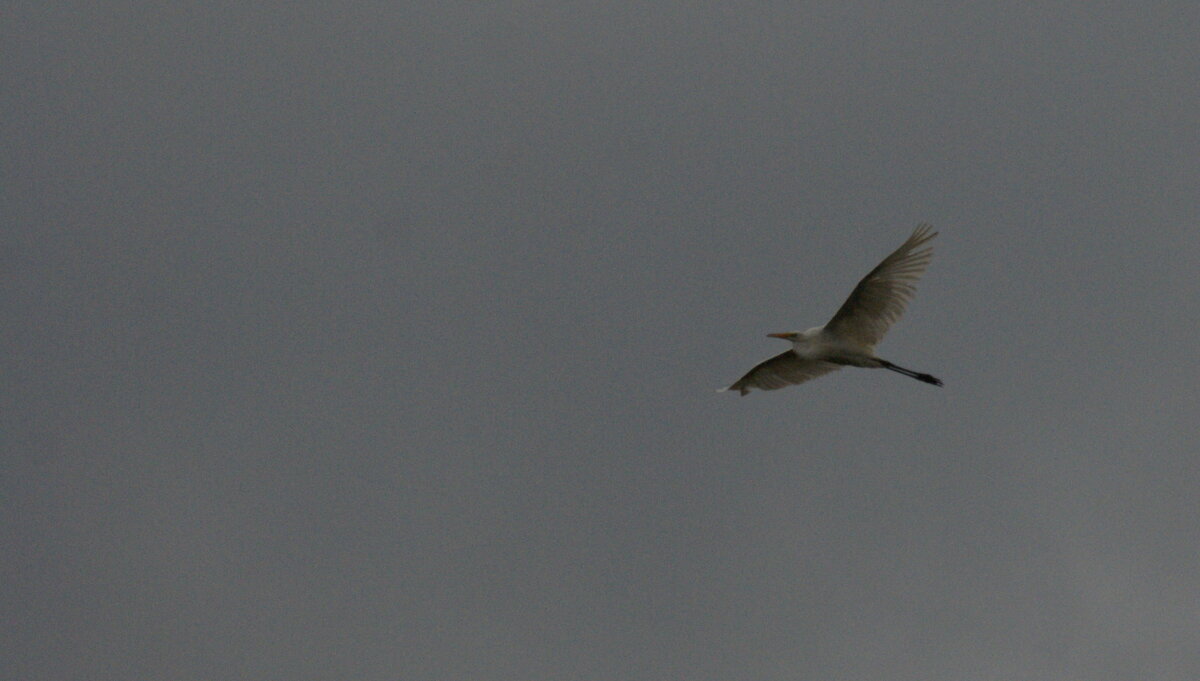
(786, 368)
(879, 299)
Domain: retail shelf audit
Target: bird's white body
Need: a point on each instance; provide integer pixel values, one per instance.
(819, 344)
(849, 339)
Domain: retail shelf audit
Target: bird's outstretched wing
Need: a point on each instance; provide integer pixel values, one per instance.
(879, 299)
(786, 368)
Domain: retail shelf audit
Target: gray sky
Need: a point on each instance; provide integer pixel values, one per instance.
(361, 342)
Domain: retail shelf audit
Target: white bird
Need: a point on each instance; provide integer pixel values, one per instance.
(849, 339)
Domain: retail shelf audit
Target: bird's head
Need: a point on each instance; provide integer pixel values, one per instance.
(787, 335)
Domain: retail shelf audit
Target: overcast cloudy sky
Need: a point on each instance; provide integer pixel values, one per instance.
(365, 341)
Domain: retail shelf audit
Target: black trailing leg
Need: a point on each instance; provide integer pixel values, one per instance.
(926, 378)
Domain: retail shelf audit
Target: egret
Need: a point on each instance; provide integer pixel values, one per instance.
(849, 339)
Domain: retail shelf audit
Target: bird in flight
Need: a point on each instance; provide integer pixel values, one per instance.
(849, 339)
